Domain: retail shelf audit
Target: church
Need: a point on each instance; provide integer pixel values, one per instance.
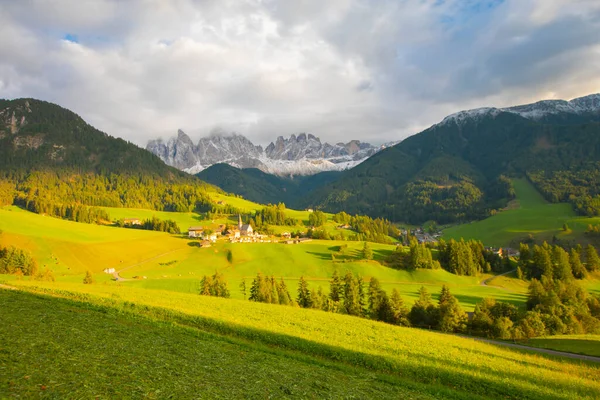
(245, 229)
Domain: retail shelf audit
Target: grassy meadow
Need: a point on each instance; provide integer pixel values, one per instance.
(528, 215)
(175, 263)
(162, 337)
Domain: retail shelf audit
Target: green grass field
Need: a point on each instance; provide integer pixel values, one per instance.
(530, 215)
(173, 262)
(115, 341)
(578, 344)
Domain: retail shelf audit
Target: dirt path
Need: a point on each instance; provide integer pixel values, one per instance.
(485, 282)
(121, 279)
(538, 350)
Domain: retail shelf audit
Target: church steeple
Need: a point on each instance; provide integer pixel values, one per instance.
(240, 222)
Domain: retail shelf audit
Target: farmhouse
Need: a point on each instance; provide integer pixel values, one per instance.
(195, 231)
(132, 221)
(286, 235)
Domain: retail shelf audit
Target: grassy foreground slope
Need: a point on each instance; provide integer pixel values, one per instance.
(172, 262)
(530, 214)
(370, 359)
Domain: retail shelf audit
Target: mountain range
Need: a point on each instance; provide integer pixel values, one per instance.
(454, 171)
(303, 154)
(457, 170)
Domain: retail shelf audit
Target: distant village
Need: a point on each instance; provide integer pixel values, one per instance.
(242, 233)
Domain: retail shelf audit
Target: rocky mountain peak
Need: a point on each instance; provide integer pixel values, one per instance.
(302, 154)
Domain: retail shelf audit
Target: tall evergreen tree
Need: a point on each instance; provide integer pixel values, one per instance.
(374, 294)
(451, 316)
(351, 295)
(303, 299)
(367, 252)
(399, 309)
(335, 287)
(592, 261)
(576, 266)
(423, 312)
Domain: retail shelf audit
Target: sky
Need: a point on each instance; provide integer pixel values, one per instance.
(372, 70)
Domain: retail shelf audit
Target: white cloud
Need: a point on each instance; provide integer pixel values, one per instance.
(343, 69)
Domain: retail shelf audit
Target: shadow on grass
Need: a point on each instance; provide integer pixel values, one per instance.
(456, 377)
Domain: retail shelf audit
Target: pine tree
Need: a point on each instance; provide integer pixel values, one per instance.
(284, 294)
(206, 285)
(576, 265)
(351, 295)
(399, 309)
(303, 299)
(367, 253)
(335, 287)
(229, 256)
(592, 261)
(88, 279)
(562, 269)
(423, 311)
(451, 316)
(374, 294)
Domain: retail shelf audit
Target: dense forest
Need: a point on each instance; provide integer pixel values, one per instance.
(579, 186)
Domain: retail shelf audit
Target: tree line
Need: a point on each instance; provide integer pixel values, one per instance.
(458, 257)
(553, 306)
(152, 224)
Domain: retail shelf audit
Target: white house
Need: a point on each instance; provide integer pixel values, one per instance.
(195, 231)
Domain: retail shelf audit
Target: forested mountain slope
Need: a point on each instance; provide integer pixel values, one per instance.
(264, 188)
(52, 161)
(455, 170)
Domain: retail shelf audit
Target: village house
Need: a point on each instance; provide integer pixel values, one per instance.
(210, 237)
(286, 235)
(195, 231)
(132, 221)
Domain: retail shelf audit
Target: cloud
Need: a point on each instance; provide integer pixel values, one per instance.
(342, 69)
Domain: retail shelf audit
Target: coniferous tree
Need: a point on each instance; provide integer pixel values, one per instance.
(592, 261)
(283, 294)
(562, 269)
(318, 299)
(351, 295)
(367, 252)
(374, 295)
(303, 299)
(335, 287)
(399, 310)
(576, 266)
(88, 279)
(423, 312)
(452, 318)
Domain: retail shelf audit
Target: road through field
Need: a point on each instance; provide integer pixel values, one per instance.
(538, 350)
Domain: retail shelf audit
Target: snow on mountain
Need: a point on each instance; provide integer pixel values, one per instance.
(535, 111)
(299, 155)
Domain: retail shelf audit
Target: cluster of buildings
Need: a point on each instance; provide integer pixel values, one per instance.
(243, 233)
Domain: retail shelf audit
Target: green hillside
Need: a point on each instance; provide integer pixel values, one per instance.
(529, 214)
(286, 352)
(173, 262)
(453, 171)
